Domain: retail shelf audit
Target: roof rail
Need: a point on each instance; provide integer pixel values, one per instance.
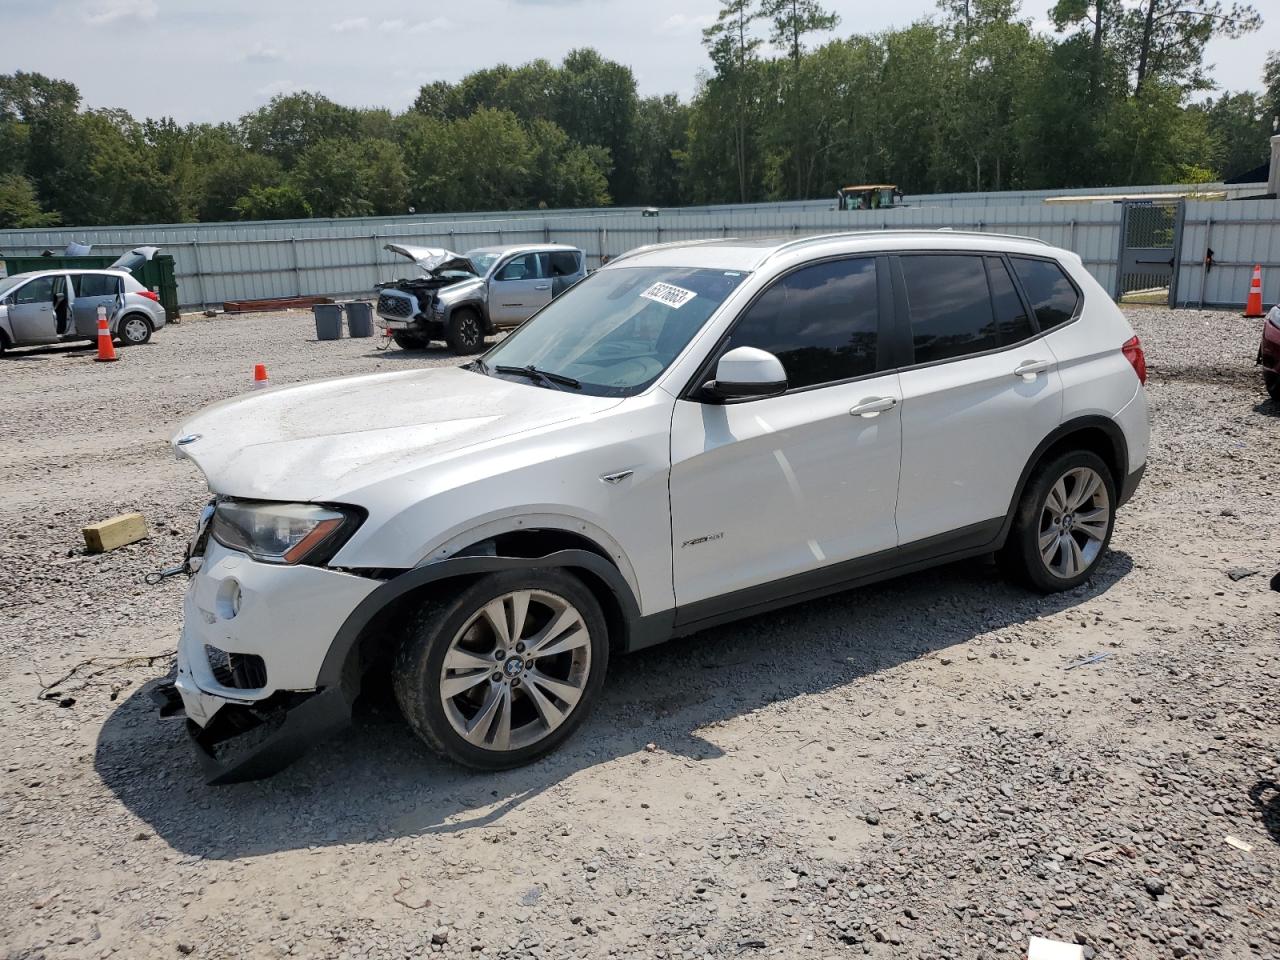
(880, 232)
(670, 244)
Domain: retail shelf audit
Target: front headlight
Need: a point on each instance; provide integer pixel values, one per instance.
(282, 532)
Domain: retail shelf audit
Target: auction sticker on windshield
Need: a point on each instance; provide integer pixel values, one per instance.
(669, 294)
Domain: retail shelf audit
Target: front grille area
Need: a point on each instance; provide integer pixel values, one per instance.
(240, 671)
(391, 305)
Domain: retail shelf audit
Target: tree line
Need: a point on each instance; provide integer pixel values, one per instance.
(973, 98)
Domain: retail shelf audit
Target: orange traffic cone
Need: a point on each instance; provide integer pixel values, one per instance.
(106, 349)
(1253, 306)
(260, 376)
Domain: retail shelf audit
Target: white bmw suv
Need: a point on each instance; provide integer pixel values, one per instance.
(696, 433)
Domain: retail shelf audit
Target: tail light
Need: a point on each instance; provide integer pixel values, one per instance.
(152, 295)
(1132, 351)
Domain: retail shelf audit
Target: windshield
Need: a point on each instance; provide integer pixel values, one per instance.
(619, 329)
(483, 259)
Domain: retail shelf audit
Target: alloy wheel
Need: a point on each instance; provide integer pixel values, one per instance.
(516, 670)
(1074, 522)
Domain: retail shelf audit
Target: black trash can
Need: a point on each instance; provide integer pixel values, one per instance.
(328, 321)
(359, 318)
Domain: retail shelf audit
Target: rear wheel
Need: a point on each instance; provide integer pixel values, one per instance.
(466, 332)
(505, 671)
(134, 330)
(1063, 523)
(1272, 380)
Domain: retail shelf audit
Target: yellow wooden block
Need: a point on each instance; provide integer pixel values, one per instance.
(114, 533)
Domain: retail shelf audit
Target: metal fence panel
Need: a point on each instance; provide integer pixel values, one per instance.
(1240, 233)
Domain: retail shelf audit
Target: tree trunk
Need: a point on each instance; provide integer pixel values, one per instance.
(1145, 52)
(1095, 60)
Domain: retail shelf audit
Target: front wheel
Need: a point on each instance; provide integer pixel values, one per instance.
(505, 671)
(409, 341)
(134, 331)
(1063, 523)
(466, 332)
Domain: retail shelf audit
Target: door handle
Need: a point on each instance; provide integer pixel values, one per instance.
(1028, 370)
(873, 407)
(542, 286)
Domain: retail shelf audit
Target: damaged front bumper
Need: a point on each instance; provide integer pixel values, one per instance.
(254, 638)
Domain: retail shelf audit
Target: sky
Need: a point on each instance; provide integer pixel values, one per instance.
(216, 60)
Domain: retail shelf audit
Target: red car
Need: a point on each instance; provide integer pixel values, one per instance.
(1269, 353)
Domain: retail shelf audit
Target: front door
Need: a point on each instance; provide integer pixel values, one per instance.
(983, 391)
(518, 290)
(32, 314)
(767, 489)
(92, 291)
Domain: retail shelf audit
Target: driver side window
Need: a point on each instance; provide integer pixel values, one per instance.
(524, 267)
(39, 290)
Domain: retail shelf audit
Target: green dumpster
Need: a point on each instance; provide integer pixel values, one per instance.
(156, 274)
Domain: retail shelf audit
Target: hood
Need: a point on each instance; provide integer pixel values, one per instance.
(433, 259)
(322, 441)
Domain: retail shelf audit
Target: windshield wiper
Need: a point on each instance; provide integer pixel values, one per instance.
(479, 366)
(533, 373)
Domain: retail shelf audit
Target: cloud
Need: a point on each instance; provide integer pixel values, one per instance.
(109, 11)
(434, 25)
(391, 26)
(261, 53)
(353, 25)
(684, 23)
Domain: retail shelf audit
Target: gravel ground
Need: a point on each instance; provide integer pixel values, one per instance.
(909, 770)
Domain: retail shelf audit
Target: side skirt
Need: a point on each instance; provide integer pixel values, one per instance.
(970, 541)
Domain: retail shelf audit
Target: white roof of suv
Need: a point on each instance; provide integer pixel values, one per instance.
(750, 253)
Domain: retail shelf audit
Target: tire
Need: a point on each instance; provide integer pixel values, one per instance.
(409, 341)
(466, 332)
(1272, 381)
(134, 330)
(448, 677)
(1039, 552)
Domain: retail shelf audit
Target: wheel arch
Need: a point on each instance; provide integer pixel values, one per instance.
(475, 303)
(370, 631)
(1097, 434)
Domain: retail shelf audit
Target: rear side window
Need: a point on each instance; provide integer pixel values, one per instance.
(565, 263)
(94, 285)
(949, 305)
(1012, 321)
(524, 267)
(1052, 295)
(822, 322)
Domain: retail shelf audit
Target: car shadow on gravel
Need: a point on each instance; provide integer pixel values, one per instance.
(376, 781)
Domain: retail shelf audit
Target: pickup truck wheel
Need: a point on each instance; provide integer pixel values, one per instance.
(505, 671)
(466, 332)
(1063, 524)
(409, 341)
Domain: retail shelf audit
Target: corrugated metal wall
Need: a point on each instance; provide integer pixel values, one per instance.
(1240, 234)
(240, 261)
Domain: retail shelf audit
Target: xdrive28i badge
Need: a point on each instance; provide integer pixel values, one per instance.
(696, 541)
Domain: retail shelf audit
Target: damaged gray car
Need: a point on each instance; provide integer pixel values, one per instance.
(463, 298)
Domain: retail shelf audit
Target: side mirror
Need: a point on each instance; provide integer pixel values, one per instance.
(748, 372)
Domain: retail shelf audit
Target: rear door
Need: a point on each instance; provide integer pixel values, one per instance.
(982, 391)
(93, 290)
(518, 290)
(777, 487)
(31, 314)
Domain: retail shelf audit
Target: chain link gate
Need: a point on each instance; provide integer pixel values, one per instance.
(1150, 238)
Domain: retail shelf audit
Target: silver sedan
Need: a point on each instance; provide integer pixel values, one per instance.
(55, 306)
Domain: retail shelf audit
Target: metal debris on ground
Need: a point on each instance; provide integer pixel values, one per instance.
(1097, 657)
